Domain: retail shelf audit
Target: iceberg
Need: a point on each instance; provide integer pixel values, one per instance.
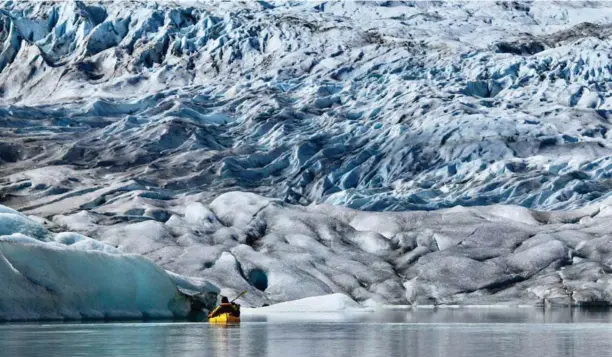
(70, 276)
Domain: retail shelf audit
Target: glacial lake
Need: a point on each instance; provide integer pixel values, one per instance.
(473, 332)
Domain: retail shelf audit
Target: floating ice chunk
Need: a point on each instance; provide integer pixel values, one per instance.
(323, 303)
(44, 281)
(71, 276)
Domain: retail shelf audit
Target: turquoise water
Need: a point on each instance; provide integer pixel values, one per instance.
(445, 332)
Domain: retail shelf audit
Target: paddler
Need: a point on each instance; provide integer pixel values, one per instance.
(226, 307)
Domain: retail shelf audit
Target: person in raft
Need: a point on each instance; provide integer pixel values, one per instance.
(225, 307)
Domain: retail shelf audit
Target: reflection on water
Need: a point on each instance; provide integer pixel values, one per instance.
(474, 332)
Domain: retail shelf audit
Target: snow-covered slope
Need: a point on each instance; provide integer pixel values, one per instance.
(128, 121)
(69, 276)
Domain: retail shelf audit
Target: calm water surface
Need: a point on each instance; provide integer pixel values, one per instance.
(443, 332)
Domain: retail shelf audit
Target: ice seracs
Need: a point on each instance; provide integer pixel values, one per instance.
(374, 105)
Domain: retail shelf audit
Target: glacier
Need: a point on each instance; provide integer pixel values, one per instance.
(396, 152)
(370, 105)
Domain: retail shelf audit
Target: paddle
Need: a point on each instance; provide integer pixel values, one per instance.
(239, 296)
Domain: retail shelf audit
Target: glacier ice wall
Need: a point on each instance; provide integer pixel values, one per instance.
(134, 123)
(464, 255)
(370, 105)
